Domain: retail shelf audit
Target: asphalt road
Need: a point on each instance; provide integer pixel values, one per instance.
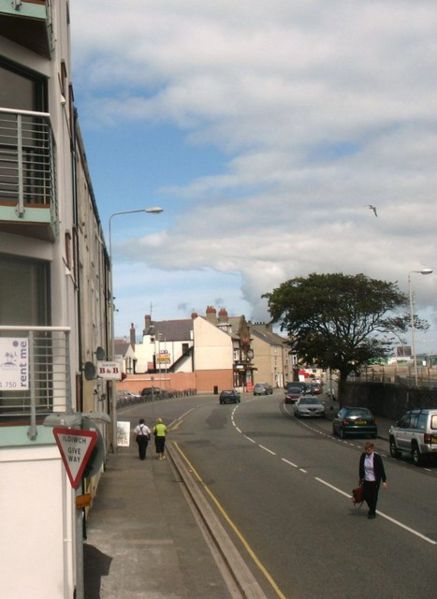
(285, 486)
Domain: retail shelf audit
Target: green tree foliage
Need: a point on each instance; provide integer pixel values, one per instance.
(339, 321)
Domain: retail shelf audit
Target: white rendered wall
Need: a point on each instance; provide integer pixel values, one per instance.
(212, 347)
(36, 532)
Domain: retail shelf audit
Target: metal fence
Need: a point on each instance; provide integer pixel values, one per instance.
(34, 374)
(27, 160)
(398, 375)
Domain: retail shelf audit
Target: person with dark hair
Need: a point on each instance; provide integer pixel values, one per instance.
(160, 432)
(142, 432)
(371, 474)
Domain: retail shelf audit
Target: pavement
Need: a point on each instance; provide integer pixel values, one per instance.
(146, 539)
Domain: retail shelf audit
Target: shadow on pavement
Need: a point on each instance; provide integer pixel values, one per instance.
(96, 565)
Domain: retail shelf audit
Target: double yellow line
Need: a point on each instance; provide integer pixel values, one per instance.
(232, 525)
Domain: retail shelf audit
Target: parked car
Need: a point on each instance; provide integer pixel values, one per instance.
(294, 390)
(155, 392)
(262, 389)
(309, 405)
(415, 435)
(229, 396)
(354, 421)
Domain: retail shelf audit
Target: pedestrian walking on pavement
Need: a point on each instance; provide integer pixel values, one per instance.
(160, 432)
(371, 474)
(142, 432)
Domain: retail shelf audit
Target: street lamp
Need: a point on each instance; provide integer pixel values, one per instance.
(155, 210)
(424, 271)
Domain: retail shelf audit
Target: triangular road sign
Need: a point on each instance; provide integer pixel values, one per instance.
(76, 446)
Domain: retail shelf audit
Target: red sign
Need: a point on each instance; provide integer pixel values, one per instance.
(76, 447)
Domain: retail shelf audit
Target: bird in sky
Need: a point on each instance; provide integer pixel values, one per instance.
(373, 208)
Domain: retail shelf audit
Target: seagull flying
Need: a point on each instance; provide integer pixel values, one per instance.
(372, 208)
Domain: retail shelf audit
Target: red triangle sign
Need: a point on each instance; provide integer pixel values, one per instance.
(76, 446)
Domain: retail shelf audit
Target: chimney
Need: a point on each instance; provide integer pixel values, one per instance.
(211, 314)
(147, 323)
(194, 315)
(223, 315)
(132, 335)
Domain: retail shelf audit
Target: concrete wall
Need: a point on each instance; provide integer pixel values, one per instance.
(388, 400)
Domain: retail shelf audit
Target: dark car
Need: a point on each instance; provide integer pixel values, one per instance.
(295, 390)
(263, 389)
(154, 392)
(229, 396)
(315, 388)
(354, 421)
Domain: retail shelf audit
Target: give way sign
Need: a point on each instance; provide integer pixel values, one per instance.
(76, 447)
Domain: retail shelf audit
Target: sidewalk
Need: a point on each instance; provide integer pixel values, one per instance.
(142, 537)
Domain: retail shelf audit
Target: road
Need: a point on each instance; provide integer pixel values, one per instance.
(284, 485)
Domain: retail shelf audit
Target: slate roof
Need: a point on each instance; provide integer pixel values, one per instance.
(268, 336)
(120, 347)
(173, 330)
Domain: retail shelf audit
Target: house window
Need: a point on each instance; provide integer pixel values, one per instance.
(185, 348)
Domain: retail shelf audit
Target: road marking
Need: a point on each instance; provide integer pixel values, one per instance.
(238, 429)
(176, 423)
(234, 527)
(266, 449)
(303, 470)
(249, 439)
(290, 463)
(389, 518)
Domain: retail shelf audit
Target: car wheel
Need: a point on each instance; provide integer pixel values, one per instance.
(416, 455)
(393, 451)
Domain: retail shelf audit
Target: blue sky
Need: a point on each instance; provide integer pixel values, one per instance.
(264, 130)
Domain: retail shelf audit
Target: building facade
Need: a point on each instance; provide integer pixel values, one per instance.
(54, 291)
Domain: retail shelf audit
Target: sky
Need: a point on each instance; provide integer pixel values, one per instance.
(264, 130)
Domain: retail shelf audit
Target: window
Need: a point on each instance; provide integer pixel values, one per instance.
(21, 89)
(24, 291)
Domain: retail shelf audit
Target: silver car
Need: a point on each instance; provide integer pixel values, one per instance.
(309, 406)
(415, 435)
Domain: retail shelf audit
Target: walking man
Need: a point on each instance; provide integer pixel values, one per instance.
(142, 432)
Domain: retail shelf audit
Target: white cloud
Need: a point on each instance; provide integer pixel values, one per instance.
(320, 109)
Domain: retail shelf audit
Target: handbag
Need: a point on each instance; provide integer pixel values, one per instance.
(357, 495)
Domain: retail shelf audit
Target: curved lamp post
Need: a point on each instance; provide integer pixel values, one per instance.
(155, 210)
(424, 271)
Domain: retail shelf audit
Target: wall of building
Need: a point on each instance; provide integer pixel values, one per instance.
(174, 381)
(212, 347)
(37, 528)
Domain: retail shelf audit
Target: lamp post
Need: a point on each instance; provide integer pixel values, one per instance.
(154, 210)
(424, 271)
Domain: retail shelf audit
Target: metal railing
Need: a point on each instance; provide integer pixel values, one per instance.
(34, 374)
(27, 160)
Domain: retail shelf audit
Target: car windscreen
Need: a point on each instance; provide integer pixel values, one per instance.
(294, 390)
(310, 400)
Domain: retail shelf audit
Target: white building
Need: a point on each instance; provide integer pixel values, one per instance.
(54, 290)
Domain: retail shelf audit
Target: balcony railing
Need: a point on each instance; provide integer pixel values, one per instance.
(27, 168)
(34, 375)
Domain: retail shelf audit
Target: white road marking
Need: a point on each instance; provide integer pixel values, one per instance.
(238, 429)
(303, 470)
(290, 463)
(266, 449)
(249, 439)
(392, 520)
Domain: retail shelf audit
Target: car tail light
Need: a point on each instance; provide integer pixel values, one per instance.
(427, 438)
(346, 421)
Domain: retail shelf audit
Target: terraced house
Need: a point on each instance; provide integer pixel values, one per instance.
(54, 291)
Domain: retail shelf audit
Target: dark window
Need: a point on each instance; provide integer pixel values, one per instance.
(24, 291)
(21, 88)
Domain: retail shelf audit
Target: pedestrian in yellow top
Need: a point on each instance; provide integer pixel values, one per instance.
(160, 431)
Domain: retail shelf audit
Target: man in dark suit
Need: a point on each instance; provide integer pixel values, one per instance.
(371, 474)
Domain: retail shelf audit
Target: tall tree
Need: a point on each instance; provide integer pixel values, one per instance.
(339, 321)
